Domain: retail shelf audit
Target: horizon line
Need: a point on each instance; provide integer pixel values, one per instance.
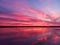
(30, 26)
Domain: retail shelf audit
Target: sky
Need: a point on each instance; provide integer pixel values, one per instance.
(47, 10)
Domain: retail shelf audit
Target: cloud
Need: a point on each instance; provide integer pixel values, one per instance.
(8, 12)
(15, 4)
(5, 10)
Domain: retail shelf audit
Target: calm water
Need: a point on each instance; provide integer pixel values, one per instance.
(30, 36)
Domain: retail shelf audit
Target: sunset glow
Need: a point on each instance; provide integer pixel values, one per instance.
(11, 11)
(29, 22)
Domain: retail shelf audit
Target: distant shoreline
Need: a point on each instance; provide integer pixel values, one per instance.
(30, 26)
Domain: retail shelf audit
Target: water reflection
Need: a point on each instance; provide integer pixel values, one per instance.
(29, 36)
